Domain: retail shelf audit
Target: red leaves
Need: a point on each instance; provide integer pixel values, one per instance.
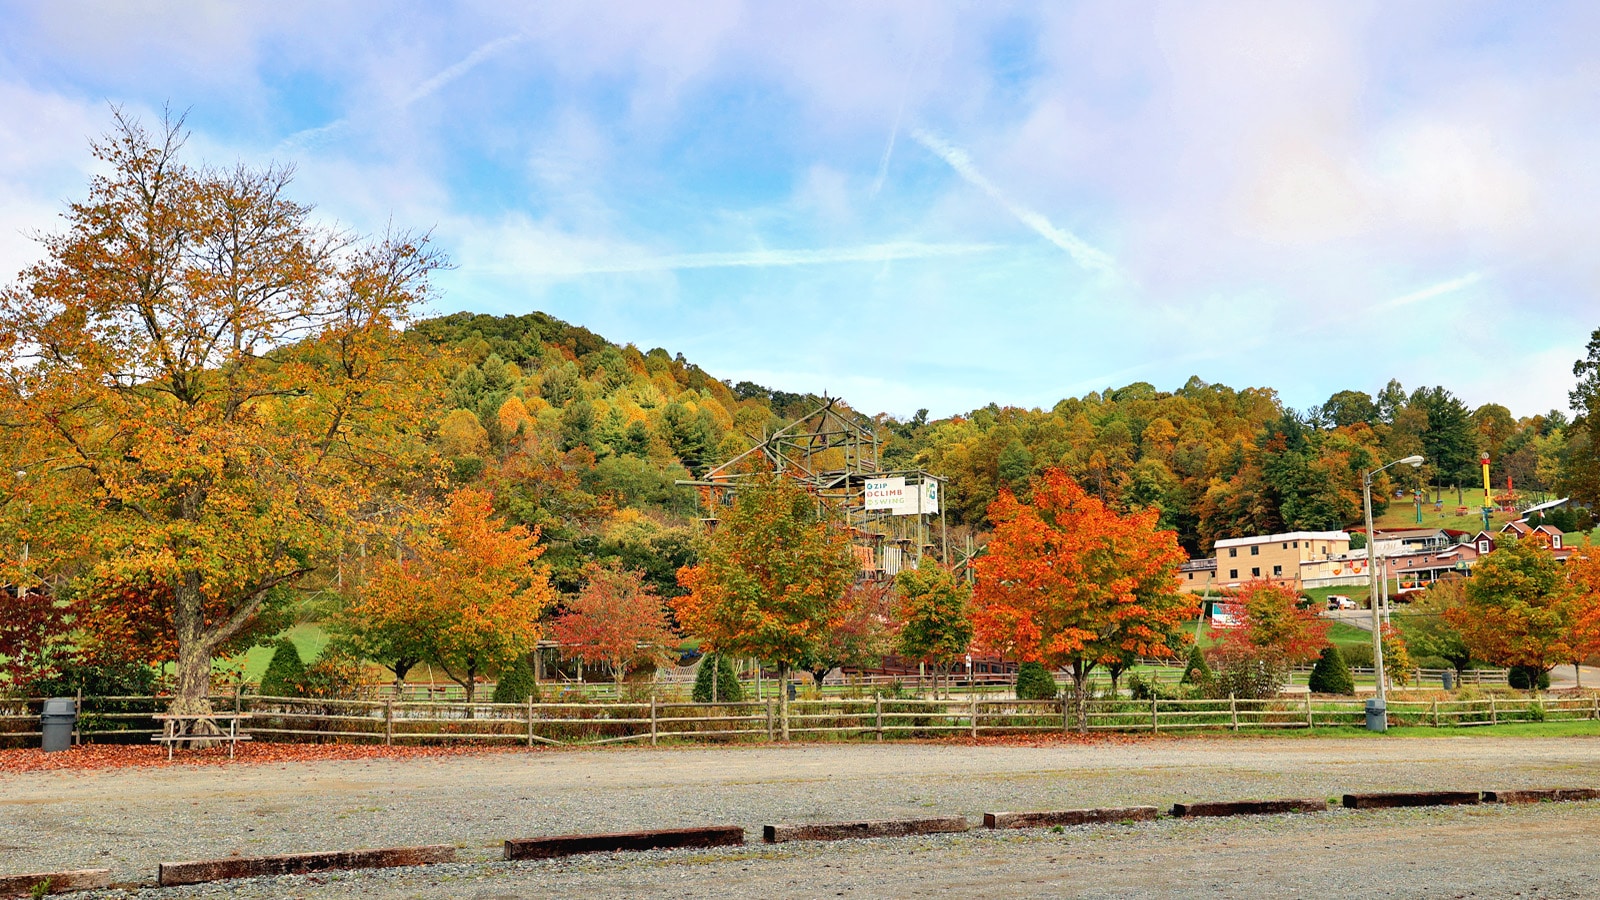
(615, 621)
(1272, 623)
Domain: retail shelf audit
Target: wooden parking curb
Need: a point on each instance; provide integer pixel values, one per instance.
(1410, 798)
(56, 882)
(1098, 816)
(663, 839)
(838, 831)
(1541, 795)
(1247, 807)
(200, 871)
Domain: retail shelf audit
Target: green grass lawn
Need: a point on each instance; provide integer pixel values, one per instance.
(309, 639)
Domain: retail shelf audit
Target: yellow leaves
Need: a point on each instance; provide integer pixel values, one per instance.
(513, 416)
(460, 434)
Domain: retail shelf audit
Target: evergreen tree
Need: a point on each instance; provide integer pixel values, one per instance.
(285, 672)
(517, 684)
(728, 688)
(1197, 672)
(1331, 675)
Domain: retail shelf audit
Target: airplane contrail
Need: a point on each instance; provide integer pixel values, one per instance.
(422, 91)
(1082, 253)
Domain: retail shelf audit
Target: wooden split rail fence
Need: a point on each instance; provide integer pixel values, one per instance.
(874, 718)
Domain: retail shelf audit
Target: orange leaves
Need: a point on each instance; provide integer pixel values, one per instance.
(471, 596)
(1067, 581)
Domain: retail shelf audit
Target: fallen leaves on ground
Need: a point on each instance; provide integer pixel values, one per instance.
(129, 756)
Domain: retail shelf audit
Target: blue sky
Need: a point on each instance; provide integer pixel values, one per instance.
(911, 204)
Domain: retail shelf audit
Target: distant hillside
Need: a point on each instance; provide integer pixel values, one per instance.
(585, 439)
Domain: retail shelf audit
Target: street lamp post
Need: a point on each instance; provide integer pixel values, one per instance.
(1378, 708)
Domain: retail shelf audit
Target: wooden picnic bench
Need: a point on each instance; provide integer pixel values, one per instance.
(178, 729)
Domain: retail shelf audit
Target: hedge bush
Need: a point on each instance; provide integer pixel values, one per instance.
(1034, 682)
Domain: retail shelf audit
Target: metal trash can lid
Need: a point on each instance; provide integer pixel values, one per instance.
(61, 706)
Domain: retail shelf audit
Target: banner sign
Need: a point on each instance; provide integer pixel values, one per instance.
(894, 496)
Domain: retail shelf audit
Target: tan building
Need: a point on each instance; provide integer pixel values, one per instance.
(1276, 557)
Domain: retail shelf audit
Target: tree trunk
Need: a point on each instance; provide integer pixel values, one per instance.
(1080, 687)
(783, 698)
(471, 684)
(193, 669)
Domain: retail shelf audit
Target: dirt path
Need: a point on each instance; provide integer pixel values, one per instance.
(129, 820)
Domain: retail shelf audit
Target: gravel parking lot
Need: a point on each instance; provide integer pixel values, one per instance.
(129, 820)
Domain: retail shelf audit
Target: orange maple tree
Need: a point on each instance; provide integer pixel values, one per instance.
(1065, 581)
(469, 597)
(617, 620)
(1583, 579)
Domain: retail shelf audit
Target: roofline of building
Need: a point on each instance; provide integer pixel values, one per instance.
(1290, 536)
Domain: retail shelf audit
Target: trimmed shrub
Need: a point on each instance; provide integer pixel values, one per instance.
(517, 684)
(1197, 672)
(1331, 675)
(1251, 677)
(1525, 678)
(1034, 682)
(285, 673)
(1433, 662)
(336, 674)
(728, 688)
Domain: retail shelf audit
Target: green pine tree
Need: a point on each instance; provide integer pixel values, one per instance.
(728, 688)
(1331, 675)
(286, 673)
(517, 684)
(1034, 682)
(1197, 672)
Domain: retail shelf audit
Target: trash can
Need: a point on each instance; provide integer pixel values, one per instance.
(1448, 679)
(794, 691)
(1377, 715)
(59, 719)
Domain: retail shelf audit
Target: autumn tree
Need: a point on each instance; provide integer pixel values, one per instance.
(1428, 628)
(1272, 624)
(771, 578)
(935, 616)
(616, 620)
(1582, 572)
(861, 633)
(1068, 582)
(1517, 608)
(203, 380)
(469, 594)
(35, 636)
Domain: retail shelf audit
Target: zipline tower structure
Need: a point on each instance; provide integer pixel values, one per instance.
(834, 453)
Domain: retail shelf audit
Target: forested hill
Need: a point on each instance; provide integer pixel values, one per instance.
(586, 438)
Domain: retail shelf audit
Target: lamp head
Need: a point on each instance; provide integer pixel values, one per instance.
(1414, 462)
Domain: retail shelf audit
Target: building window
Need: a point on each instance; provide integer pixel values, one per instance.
(1191, 576)
(1277, 571)
(1255, 551)
(1297, 545)
(1233, 574)
(1233, 551)
(1285, 545)
(1256, 572)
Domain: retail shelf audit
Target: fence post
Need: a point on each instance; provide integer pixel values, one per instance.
(877, 702)
(1233, 711)
(1594, 711)
(768, 705)
(77, 719)
(1494, 717)
(388, 723)
(1155, 721)
(1066, 714)
(652, 718)
(974, 696)
(1436, 712)
(783, 710)
(1309, 722)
